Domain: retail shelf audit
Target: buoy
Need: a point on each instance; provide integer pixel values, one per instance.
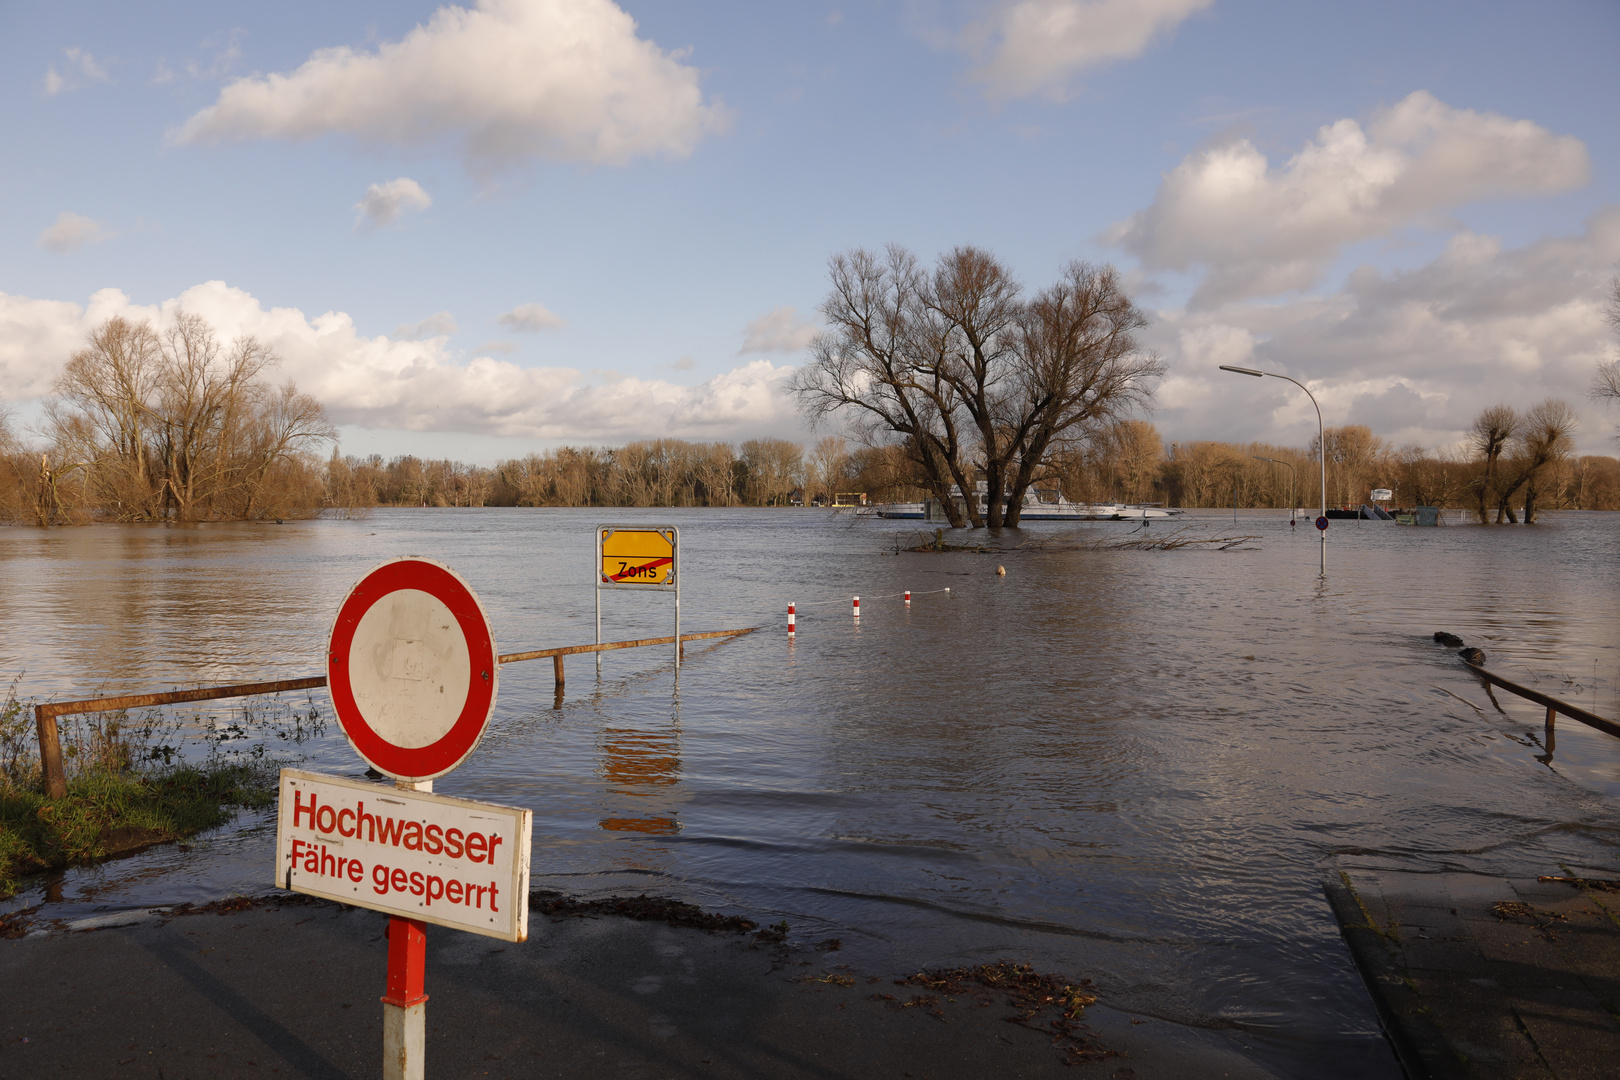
(1001, 571)
(908, 598)
(857, 607)
(791, 631)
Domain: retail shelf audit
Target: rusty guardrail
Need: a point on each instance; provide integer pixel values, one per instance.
(50, 742)
(1552, 704)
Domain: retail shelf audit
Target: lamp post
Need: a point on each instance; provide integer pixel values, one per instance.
(1293, 484)
(1321, 440)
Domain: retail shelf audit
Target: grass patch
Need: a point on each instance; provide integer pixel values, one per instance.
(129, 782)
(108, 814)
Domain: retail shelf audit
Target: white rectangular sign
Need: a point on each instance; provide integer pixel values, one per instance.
(448, 861)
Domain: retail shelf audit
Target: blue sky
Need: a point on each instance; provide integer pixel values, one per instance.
(1413, 206)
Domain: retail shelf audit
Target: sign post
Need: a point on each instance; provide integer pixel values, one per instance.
(413, 672)
(638, 557)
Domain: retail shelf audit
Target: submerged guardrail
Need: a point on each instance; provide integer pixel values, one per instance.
(1552, 704)
(50, 743)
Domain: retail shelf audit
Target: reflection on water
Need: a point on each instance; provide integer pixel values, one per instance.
(1133, 765)
(641, 766)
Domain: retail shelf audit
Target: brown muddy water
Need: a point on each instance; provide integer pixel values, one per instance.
(1133, 765)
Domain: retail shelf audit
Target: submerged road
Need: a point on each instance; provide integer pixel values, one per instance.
(293, 992)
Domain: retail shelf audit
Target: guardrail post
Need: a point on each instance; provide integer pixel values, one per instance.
(50, 743)
(50, 752)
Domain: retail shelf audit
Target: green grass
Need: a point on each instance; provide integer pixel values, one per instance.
(107, 812)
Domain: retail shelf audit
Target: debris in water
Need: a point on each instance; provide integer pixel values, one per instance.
(1450, 641)
(1001, 571)
(1592, 884)
(642, 908)
(1029, 992)
(1472, 656)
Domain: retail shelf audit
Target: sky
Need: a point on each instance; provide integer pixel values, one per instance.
(479, 231)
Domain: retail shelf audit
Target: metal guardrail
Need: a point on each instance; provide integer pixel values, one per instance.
(50, 742)
(1552, 704)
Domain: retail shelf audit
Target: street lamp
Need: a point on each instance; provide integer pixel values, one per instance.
(1321, 440)
(1293, 485)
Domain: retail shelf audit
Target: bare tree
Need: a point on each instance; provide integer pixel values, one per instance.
(101, 415)
(1077, 370)
(880, 364)
(1545, 440)
(957, 368)
(1606, 383)
(1492, 431)
(972, 343)
(773, 467)
(825, 467)
(173, 425)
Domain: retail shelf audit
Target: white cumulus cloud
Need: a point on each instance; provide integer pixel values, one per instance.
(1258, 229)
(510, 80)
(383, 204)
(530, 319)
(1414, 354)
(1038, 46)
(383, 382)
(778, 330)
(70, 232)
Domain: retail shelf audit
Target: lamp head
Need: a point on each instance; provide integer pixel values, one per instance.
(1242, 370)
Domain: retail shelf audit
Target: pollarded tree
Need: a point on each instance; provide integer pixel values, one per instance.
(1545, 440)
(1492, 431)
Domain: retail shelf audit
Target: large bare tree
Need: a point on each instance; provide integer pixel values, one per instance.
(1493, 430)
(880, 364)
(969, 377)
(1078, 369)
(175, 425)
(1545, 439)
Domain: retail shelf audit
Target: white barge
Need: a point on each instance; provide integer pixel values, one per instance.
(1034, 508)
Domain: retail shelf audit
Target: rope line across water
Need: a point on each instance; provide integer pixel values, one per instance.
(879, 596)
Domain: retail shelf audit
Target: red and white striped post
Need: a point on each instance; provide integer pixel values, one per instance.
(908, 598)
(791, 631)
(405, 1005)
(857, 607)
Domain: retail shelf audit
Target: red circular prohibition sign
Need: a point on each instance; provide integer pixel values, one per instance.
(451, 749)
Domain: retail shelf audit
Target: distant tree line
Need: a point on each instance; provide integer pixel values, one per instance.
(172, 424)
(1127, 462)
(657, 472)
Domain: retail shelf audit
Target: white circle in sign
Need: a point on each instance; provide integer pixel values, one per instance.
(409, 668)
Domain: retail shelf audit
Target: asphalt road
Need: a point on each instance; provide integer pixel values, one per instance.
(293, 992)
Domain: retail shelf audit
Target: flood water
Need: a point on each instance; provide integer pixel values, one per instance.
(1137, 766)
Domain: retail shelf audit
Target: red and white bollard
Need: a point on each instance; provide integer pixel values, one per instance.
(791, 631)
(908, 598)
(857, 607)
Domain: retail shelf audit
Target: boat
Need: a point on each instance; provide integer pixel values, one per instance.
(1034, 508)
